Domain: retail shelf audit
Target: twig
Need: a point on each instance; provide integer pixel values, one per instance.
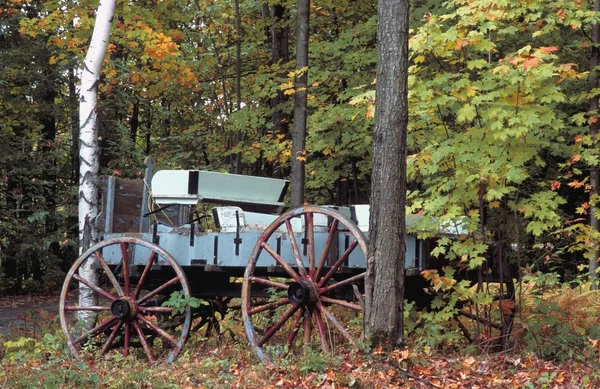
(409, 375)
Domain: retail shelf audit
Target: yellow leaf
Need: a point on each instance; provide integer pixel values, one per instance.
(494, 204)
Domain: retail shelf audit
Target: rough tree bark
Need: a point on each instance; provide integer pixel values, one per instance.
(88, 147)
(384, 282)
(300, 105)
(594, 179)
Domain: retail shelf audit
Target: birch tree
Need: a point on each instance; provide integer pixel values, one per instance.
(88, 147)
(384, 282)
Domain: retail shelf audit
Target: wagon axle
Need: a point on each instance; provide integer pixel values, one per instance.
(302, 292)
(124, 308)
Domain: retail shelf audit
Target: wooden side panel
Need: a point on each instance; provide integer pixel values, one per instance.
(121, 204)
(121, 207)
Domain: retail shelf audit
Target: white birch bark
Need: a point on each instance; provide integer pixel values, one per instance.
(88, 148)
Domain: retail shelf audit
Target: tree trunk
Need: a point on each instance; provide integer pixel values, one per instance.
(88, 147)
(300, 105)
(238, 80)
(134, 122)
(384, 282)
(279, 53)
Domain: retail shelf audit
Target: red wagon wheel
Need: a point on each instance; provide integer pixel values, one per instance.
(318, 296)
(129, 315)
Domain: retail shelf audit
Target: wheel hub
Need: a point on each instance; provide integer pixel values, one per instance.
(123, 308)
(301, 292)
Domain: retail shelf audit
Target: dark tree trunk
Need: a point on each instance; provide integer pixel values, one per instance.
(594, 179)
(384, 283)
(134, 122)
(238, 79)
(280, 52)
(300, 105)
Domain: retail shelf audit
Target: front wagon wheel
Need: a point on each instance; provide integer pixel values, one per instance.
(134, 278)
(311, 295)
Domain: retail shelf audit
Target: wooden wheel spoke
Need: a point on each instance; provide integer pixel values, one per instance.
(94, 287)
(325, 254)
(335, 322)
(341, 303)
(345, 282)
(96, 330)
(127, 339)
(269, 306)
(161, 288)
(157, 329)
(125, 262)
(112, 337)
(92, 308)
(310, 230)
(149, 264)
(156, 309)
(143, 341)
(268, 282)
(338, 263)
(307, 325)
(295, 249)
(280, 261)
(321, 329)
(108, 272)
(294, 331)
(278, 325)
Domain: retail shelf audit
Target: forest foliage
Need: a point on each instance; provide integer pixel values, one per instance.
(498, 137)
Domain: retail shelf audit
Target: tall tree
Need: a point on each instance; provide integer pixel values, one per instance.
(88, 145)
(384, 283)
(300, 104)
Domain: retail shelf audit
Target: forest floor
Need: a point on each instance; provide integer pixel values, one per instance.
(22, 313)
(231, 363)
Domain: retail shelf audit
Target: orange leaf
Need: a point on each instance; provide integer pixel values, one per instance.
(531, 63)
(548, 50)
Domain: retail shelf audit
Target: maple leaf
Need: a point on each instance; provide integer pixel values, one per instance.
(531, 63)
(548, 50)
(575, 184)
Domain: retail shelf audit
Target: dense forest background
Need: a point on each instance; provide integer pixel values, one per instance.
(501, 135)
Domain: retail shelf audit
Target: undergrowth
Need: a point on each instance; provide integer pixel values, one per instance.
(555, 339)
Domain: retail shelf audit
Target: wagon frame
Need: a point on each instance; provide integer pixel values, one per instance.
(302, 271)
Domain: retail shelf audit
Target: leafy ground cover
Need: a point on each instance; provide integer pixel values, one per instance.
(234, 366)
(40, 360)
